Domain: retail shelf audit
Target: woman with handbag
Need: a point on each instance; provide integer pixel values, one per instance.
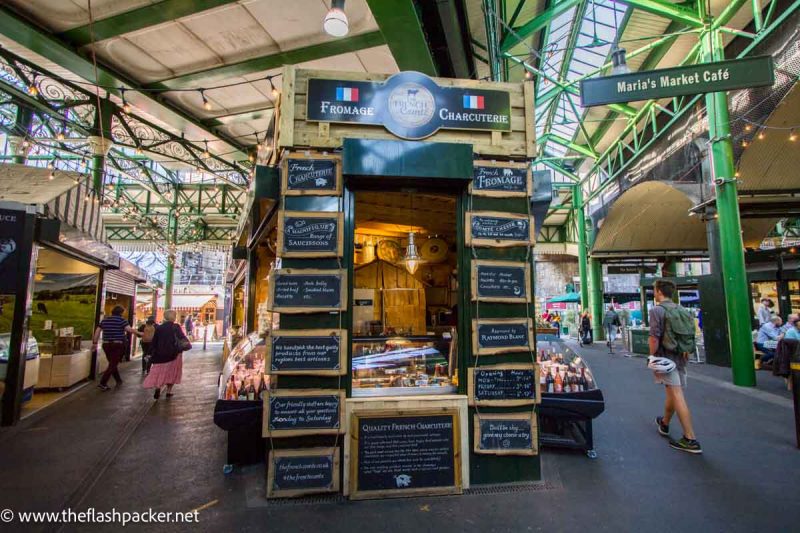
(169, 343)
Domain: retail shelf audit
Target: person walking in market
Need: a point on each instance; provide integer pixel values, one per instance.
(114, 329)
(169, 343)
(148, 329)
(672, 340)
(610, 325)
(188, 325)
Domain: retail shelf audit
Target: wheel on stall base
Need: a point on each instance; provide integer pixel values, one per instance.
(591, 454)
(227, 469)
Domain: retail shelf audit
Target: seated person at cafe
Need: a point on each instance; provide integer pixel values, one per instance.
(794, 330)
(791, 320)
(770, 331)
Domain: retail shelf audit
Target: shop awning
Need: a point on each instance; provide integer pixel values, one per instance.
(570, 297)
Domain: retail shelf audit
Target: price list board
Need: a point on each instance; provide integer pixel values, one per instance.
(307, 290)
(507, 384)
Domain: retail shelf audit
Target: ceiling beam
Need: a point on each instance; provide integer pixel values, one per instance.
(273, 61)
(19, 30)
(400, 25)
(137, 19)
(667, 10)
(537, 23)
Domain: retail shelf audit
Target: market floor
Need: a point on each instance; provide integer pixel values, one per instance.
(122, 450)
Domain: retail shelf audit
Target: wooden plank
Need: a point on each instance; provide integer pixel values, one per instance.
(274, 455)
(356, 493)
(286, 191)
(496, 299)
(340, 333)
(498, 243)
(478, 350)
(295, 393)
(530, 119)
(471, 397)
(286, 130)
(314, 215)
(534, 450)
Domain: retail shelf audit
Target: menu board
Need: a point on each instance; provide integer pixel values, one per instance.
(415, 453)
(297, 472)
(293, 412)
(495, 229)
(311, 174)
(504, 385)
(501, 281)
(501, 179)
(307, 290)
(310, 234)
(309, 351)
(506, 433)
(502, 335)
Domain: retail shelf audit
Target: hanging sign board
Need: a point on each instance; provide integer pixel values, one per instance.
(310, 351)
(508, 385)
(292, 412)
(502, 335)
(409, 104)
(310, 234)
(307, 290)
(631, 269)
(302, 471)
(757, 71)
(12, 231)
(501, 179)
(501, 281)
(311, 174)
(410, 453)
(506, 434)
(495, 229)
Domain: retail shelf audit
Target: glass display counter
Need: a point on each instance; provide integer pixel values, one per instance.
(243, 376)
(404, 366)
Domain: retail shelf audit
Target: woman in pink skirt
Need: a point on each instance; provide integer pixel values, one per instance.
(169, 343)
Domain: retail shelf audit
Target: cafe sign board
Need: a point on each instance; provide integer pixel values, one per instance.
(307, 290)
(310, 234)
(496, 229)
(318, 352)
(306, 174)
(294, 412)
(504, 385)
(409, 104)
(501, 179)
(492, 336)
(757, 71)
(297, 472)
(501, 281)
(506, 434)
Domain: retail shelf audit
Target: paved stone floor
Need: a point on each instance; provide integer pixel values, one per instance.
(122, 450)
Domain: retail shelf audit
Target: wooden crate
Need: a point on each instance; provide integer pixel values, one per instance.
(296, 132)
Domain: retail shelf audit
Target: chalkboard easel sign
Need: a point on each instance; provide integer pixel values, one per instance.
(501, 179)
(498, 230)
(405, 453)
(316, 352)
(293, 412)
(307, 290)
(310, 234)
(297, 472)
(504, 385)
(307, 174)
(501, 281)
(502, 335)
(506, 433)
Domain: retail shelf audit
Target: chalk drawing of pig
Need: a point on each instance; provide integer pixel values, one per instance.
(320, 182)
(402, 480)
(508, 172)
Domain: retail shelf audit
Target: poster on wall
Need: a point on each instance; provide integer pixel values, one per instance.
(63, 300)
(12, 227)
(307, 174)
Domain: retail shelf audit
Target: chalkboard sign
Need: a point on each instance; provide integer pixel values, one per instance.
(303, 412)
(306, 234)
(307, 290)
(501, 180)
(302, 471)
(407, 454)
(502, 335)
(501, 281)
(505, 434)
(312, 174)
(508, 384)
(315, 352)
(495, 229)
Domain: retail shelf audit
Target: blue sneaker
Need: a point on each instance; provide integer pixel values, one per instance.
(686, 445)
(663, 429)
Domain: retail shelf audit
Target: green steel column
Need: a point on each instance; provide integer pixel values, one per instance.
(21, 124)
(730, 230)
(172, 241)
(577, 201)
(98, 166)
(596, 297)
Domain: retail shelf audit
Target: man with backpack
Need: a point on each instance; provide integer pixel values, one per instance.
(148, 329)
(672, 340)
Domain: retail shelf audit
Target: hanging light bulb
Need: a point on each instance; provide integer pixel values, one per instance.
(528, 75)
(60, 135)
(335, 22)
(205, 152)
(761, 135)
(273, 89)
(33, 90)
(412, 259)
(748, 127)
(792, 136)
(744, 144)
(26, 143)
(206, 103)
(139, 150)
(51, 176)
(126, 107)
(618, 62)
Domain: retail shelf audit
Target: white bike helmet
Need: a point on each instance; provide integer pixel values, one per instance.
(660, 365)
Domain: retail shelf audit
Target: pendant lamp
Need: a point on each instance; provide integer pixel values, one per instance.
(335, 22)
(412, 259)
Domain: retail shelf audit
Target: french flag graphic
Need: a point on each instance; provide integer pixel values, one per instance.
(347, 94)
(473, 102)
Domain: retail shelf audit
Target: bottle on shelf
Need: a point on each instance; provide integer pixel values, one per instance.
(567, 382)
(242, 391)
(251, 391)
(558, 385)
(262, 387)
(550, 381)
(585, 382)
